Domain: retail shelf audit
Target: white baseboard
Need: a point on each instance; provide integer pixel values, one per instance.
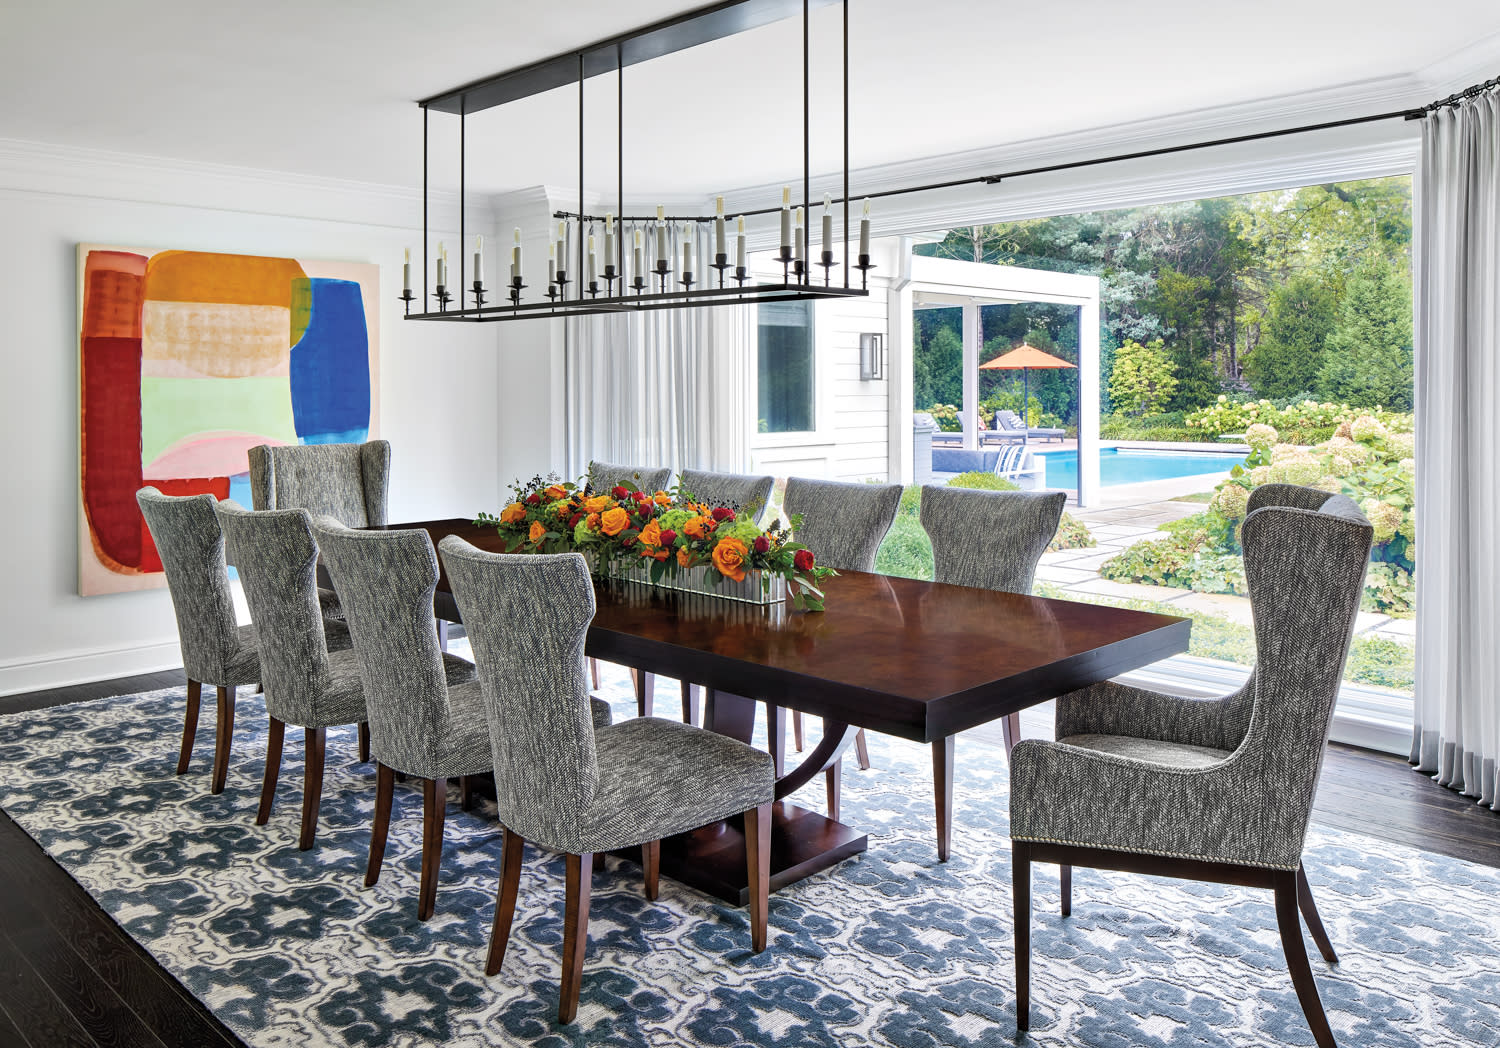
(80, 666)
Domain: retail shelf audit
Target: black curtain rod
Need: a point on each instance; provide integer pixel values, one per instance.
(1070, 165)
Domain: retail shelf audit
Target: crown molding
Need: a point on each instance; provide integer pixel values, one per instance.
(47, 169)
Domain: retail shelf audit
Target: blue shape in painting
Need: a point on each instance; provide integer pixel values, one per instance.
(330, 367)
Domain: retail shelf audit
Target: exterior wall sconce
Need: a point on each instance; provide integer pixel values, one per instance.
(871, 357)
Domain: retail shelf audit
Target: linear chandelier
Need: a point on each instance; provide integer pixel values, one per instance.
(641, 269)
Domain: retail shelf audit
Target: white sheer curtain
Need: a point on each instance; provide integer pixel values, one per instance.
(1457, 727)
(671, 387)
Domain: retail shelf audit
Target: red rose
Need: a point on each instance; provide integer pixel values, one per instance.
(803, 560)
(574, 519)
(533, 499)
(619, 491)
(723, 513)
(762, 544)
(645, 510)
(668, 537)
(641, 496)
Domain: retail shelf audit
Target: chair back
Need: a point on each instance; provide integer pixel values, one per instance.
(1305, 557)
(989, 539)
(605, 475)
(1007, 420)
(843, 524)
(348, 482)
(190, 543)
(527, 616)
(277, 559)
(739, 491)
(385, 582)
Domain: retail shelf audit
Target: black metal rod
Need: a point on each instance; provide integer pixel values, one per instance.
(462, 162)
(1455, 98)
(620, 161)
(424, 209)
(846, 143)
(791, 292)
(807, 239)
(579, 270)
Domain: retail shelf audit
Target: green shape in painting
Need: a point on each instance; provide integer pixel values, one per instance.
(302, 305)
(175, 408)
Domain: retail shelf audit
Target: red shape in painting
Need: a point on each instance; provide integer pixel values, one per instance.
(218, 487)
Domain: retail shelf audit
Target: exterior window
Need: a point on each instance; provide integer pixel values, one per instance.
(785, 340)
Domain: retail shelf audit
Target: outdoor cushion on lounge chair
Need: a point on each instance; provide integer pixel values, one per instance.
(1013, 463)
(1008, 422)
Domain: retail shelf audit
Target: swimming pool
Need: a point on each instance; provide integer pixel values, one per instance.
(1133, 465)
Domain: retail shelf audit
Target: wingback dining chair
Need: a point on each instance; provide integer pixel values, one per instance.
(215, 649)
(843, 524)
(566, 785)
(989, 540)
(419, 726)
(1216, 790)
(606, 475)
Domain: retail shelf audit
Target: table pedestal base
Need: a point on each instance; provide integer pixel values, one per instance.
(712, 859)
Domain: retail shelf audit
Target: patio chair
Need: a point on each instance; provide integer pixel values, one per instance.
(1214, 790)
(1007, 421)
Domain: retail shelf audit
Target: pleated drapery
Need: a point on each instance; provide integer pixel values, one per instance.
(1456, 735)
(669, 387)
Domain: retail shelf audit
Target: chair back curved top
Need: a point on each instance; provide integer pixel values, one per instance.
(190, 543)
(277, 559)
(740, 491)
(348, 482)
(843, 524)
(386, 581)
(989, 539)
(606, 475)
(527, 617)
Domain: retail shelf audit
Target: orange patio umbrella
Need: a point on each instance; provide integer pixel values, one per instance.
(1025, 357)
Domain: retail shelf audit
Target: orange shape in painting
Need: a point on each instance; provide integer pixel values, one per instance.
(199, 276)
(210, 339)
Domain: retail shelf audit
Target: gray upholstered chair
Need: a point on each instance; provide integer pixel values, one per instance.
(215, 650)
(566, 785)
(843, 524)
(419, 727)
(306, 684)
(605, 475)
(989, 540)
(1220, 789)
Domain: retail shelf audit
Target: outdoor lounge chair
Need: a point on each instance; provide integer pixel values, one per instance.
(1013, 463)
(1007, 421)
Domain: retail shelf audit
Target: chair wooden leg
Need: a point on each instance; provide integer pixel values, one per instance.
(1010, 732)
(364, 742)
(1296, 960)
(434, 813)
(315, 747)
(466, 792)
(776, 736)
(862, 751)
(594, 672)
(385, 788)
(942, 782)
(797, 730)
(223, 736)
(189, 725)
(651, 868)
(1020, 879)
(511, 846)
(275, 735)
(758, 863)
(1065, 882)
(690, 713)
(833, 783)
(1310, 915)
(575, 933)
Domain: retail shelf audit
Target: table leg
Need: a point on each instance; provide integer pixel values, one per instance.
(776, 736)
(942, 782)
(645, 691)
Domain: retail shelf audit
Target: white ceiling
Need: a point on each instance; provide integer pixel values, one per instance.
(327, 88)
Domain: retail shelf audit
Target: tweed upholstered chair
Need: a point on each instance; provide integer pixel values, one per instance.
(1217, 790)
(843, 524)
(215, 650)
(989, 540)
(605, 475)
(564, 784)
(419, 727)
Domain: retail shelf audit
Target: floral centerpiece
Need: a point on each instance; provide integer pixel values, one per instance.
(664, 538)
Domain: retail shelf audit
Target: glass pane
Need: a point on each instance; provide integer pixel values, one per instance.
(786, 367)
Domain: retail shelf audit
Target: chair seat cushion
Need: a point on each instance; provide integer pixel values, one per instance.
(1167, 754)
(659, 777)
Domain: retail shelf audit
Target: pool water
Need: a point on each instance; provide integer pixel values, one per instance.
(1132, 465)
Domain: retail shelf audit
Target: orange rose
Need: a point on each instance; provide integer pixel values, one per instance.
(661, 554)
(555, 492)
(512, 513)
(651, 534)
(538, 530)
(662, 498)
(592, 522)
(684, 558)
(730, 556)
(697, 527)
(614, 521)
(598, 504)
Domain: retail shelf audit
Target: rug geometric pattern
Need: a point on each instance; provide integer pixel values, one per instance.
(892, 948)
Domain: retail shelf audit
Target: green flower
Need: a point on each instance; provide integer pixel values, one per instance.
(674, 519)
(582, 534)
(1230, 501)
(1366, 428)
(1261, 436)
(1385, 517)
(744, 530)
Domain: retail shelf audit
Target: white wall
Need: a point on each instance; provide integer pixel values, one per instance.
(439, 383)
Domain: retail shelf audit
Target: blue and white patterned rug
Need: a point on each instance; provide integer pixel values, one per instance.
(893, 948)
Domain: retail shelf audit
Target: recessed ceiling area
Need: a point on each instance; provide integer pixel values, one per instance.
(328, 89)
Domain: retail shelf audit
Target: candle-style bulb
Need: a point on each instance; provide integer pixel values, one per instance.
(609, 221)
(518, 236)
(797, 216)
(479, 243)
(408, 256)
(551, 252)
(661, 213)
(739, 225)
(562, 229)
(638, 237)
(827, 202)
(719, 206)
(867, 207)
(786, 196)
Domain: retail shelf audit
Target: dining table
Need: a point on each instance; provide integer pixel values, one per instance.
(918, 660)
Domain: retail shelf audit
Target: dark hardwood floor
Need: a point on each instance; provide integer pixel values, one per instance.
(69, 976)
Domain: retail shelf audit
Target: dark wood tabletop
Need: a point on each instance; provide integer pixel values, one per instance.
(919, 660)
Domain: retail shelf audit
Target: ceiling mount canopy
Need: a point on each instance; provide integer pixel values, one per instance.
(654, 268)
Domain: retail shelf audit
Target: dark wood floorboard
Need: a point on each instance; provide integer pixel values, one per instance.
(70, 976)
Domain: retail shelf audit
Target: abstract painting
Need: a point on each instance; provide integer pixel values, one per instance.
(187, 359)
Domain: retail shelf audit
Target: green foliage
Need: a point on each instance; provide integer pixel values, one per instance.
(1368, 362)
(1300, 316)
(983, 481)
(1144, 378)
(938, 361)
(1305, 422)
(1072, 533)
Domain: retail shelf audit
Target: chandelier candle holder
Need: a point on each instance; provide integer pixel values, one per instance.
(578, 280)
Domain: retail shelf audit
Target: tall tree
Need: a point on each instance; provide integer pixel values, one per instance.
(1300, 316)
(1369, 356)
(1143, 379)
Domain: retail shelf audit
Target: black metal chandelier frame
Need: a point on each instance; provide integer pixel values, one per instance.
(735, 285)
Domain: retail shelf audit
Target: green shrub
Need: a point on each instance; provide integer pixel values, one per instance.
(1072, 533)
(983, 481)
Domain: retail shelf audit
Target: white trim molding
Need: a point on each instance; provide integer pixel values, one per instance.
(84, 665)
